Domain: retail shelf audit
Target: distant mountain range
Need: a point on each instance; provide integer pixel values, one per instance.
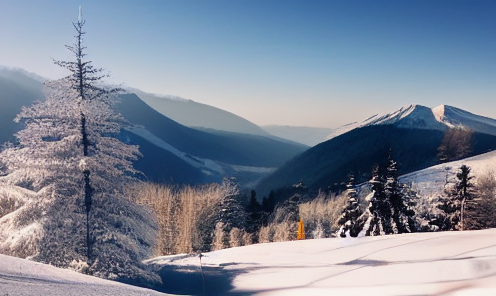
(310, 136)
(223, 144)
(173, 153)
(413, 133)
(194, 114)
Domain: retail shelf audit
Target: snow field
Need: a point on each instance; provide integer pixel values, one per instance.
(460, 263)
(24, 277)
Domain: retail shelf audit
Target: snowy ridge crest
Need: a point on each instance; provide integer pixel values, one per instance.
(414, 116)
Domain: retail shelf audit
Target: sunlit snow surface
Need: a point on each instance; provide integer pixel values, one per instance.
(443, 263)
(440, 263)
(24, 277)
(431, 180)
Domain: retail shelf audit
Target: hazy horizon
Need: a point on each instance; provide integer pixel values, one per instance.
(296, 63)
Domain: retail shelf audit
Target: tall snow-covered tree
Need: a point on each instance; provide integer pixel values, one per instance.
(401, 213)
(463, 188)
(68, 153)
(376, 219)
(231, 211)
(348, 222)
(452, 205)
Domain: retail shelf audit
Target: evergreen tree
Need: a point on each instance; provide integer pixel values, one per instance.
(452, 206)
(291, 205)
(254, 212)
(463, 191)
(348, 222)
(69, 154)
(232, 213)
(402, 216)
(376, 219)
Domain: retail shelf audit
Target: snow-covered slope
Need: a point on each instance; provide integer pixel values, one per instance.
(431, 180)
(24, 277)
(206, 165)
(420, 117)
(443, 263)
(440, 263)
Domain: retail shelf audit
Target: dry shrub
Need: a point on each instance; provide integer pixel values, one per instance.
(320, 215)
(180, 212)
(246, 238)
(218, 241)
(264, 235)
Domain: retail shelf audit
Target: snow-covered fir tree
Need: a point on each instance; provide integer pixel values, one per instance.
(463, 191)
(401, 213)
(452, 205)
(232, 212)
(377, 217)
(69, 155)
(348, 222)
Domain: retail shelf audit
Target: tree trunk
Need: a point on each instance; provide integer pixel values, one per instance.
(461, 214)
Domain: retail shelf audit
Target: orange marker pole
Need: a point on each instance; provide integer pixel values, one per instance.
(301, 230)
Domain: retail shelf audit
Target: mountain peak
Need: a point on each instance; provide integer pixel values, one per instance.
(439, 112)
(421, 117)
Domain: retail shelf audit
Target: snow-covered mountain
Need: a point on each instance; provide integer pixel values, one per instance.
(172, 151)
(413, 132)
(420, 117)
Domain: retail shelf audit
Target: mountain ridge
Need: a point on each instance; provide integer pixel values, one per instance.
(194, 114)
(413, 132)
(440, 118)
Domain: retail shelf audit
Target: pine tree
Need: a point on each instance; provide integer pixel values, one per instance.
(232, 213)
(69, 153)
(254, 219)
(376, 219)
(402, 215)
(348, 222)
(463, 188)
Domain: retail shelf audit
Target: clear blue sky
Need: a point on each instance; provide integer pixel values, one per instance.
(311, 63)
